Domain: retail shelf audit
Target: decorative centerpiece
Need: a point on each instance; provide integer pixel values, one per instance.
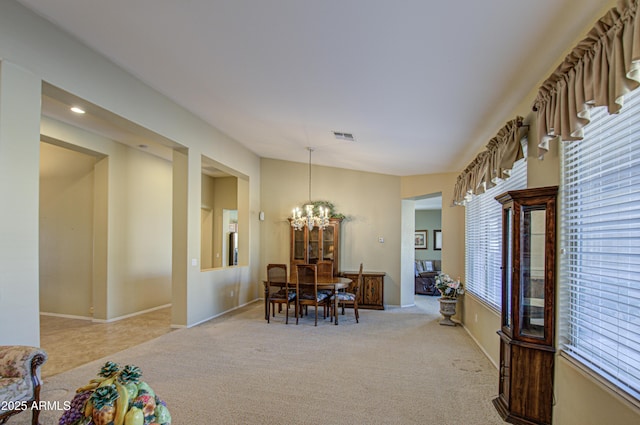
(116, 397)
(328, 207)
(316, 214)
(450, 290)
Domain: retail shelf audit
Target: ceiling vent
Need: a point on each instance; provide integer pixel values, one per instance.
(344, 136)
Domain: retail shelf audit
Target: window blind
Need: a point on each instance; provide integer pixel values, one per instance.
(600, 240)
(483, 237)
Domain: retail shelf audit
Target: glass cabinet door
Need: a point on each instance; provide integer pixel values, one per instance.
(328, 243)
(314, 245)
(311, 246)
(298, 246)
(507, 267)
(532, 272)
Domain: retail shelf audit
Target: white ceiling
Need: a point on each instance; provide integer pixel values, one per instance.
(423, 85)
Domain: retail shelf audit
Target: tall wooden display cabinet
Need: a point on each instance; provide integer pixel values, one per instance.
(311, 246)
(528, 297)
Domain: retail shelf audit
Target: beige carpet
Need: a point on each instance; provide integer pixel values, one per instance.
(396, 366)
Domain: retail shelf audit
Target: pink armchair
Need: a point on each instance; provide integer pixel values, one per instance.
(20, 380)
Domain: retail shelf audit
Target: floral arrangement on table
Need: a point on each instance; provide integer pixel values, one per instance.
(448, 287)
(117, 397)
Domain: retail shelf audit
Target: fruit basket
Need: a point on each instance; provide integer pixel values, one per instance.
(116, 397)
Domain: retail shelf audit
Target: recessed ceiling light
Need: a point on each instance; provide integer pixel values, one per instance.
(77, 110)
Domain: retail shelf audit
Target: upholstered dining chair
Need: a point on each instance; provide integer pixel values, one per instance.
(279, 291)
(349, 298)
(307, 288)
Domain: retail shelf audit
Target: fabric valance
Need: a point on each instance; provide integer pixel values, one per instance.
(599, 71)
(493, 163)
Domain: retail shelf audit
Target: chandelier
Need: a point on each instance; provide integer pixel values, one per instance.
(310, 218)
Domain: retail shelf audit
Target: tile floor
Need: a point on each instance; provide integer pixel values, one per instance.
(74, 342)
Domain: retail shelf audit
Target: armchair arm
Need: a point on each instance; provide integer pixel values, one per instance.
(19, 367)
(20, 378)
(20, 361)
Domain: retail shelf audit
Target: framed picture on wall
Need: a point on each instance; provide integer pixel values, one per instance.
(437, 240)
(421, 239)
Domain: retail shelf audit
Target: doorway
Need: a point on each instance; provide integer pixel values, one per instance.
(428, 243)
(73, 265)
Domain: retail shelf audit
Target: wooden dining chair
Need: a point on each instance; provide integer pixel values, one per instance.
(279, 291)
(325, 273)
(307, 288)
(349, 298)
(325, 269)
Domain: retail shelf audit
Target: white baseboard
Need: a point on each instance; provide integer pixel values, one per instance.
(479, 346)
(126, 316)
(222, 314)
(65, 316)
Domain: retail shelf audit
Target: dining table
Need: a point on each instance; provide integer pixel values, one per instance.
(334, 284)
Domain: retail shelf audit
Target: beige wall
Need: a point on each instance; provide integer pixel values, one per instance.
(19, 171)
(136, 224)
(407, 252)
(582, 400)
(33, 51)
(66, 231)
(370, 201)
(139, 262)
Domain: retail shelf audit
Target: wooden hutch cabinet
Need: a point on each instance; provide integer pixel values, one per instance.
(527, 352)
(309, 247)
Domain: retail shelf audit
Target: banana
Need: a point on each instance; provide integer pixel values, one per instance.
(91, 386)
(107, 381)
(122, 404)
(88, 408)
